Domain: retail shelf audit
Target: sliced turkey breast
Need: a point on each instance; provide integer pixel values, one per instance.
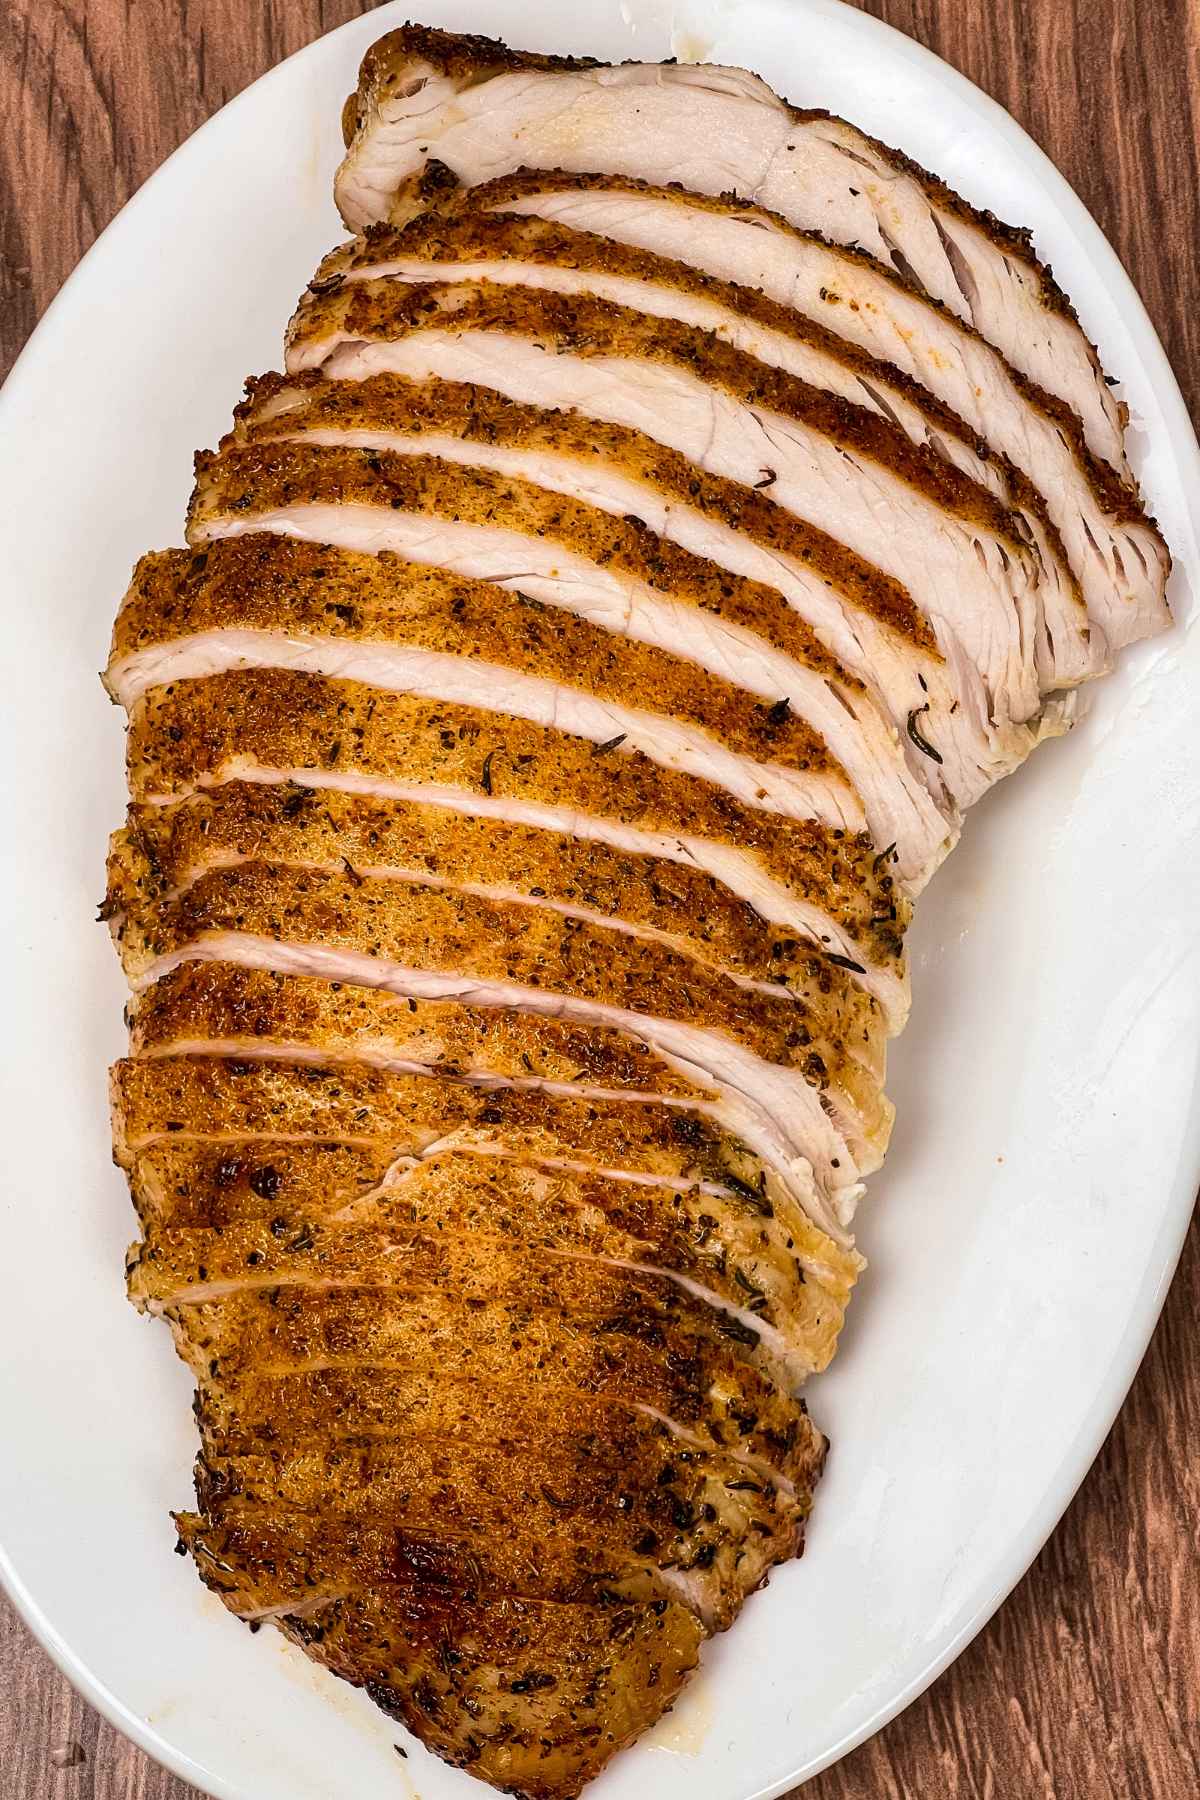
(816, 1138)
(637, 1509)
(412, 629)
(532, 1695)
(632, 1512)
(420, 1116)
(209, 1007)
(716, 1247)
(637, 1138)
(179, 842)
(630, 1509)
(275, 726)
(626, 1183)
(579, 662)
(824, 1005)
(481, 110)
(275, 1152)
(600, 1271)
(1114, 549)
(307, 1552)
(816, 1061)
(610, 1373)
(557, 1555)
(846, 471)
(866, 620)
(244, 1160)
(448, 1371)
(531, 252)
(625, 472)
(700, 1240)
(694, 662)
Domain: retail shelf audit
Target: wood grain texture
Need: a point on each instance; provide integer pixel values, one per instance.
(1085, 1686)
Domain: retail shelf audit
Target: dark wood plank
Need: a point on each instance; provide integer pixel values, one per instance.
(1085, 1685)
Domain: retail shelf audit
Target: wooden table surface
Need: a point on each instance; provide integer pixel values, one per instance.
(1086, 1686)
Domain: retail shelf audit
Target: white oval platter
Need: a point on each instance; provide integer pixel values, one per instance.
(1023, 1232)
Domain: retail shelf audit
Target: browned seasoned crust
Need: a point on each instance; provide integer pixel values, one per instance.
(253, 1166)
(459, 54)
(569, 1562)
(398, 1509)
(480, 415)
(203, 732)
(271, 1353)
(480, 1228)
(559, 1381)
(533, 1696)
(686, 906)
(388, 310)
(567, 1491)
(811, 1029)
(716, 1480)
(280, 585)
(252, 477)
(476, 59)
(246, 478)
(171, 1270)
(645, 1187)
(627, 1511)
(348, 1548)
(1116, 495)
(215, 1096)
(200, 1003)
(327, 1368)
(631, 1179)
(463, 230)
(211, 1138)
